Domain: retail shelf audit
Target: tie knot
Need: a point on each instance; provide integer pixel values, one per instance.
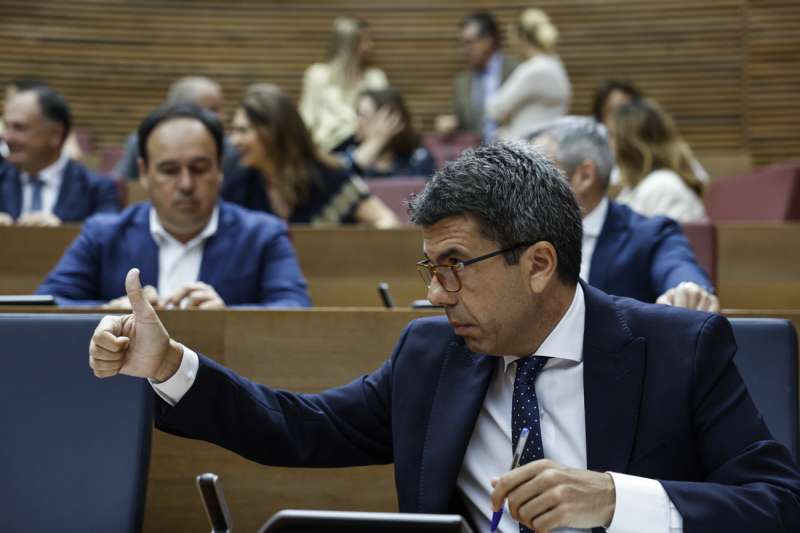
(531, 366)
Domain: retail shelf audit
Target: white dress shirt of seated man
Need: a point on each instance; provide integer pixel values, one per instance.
(181, 172)
(35, 145)
(580, 149)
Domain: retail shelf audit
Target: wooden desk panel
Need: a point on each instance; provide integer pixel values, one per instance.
(759, 263)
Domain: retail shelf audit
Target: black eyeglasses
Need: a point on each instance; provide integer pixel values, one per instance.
(447, 275)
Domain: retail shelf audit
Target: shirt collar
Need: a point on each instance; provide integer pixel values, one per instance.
(566, 339)
(50, 176)
(161, 236)
(594, 220)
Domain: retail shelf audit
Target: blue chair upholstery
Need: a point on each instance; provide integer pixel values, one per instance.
(74, 449)
(767, 361)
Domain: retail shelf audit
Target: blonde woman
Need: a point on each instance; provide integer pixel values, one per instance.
(655, 164)
(539, 89)
(330, 89)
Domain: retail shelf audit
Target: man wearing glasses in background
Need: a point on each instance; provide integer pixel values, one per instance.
(638, 419)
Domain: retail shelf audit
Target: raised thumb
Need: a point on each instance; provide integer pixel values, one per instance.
(133, 286)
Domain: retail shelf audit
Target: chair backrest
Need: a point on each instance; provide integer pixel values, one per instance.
(767, 194)
(703, 238)
(75, 449)
(767, 361)
(395, 191)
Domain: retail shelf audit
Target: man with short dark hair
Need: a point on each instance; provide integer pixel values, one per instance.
(637, 418)
(487, 69)
(39, 184)
(194, 250)
(624, 253)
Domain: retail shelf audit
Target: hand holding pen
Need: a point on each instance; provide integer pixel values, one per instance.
(523, 439)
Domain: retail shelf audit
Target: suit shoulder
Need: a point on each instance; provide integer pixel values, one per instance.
(112, 225)
(641, 223)
(251, 221)
(656, 321)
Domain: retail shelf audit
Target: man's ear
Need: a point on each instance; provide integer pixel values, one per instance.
(539, 263)
(143, 173)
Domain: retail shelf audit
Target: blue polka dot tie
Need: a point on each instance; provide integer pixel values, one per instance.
(525, 411)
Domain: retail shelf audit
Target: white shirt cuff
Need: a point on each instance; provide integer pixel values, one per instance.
(643, 506)
(173, 389)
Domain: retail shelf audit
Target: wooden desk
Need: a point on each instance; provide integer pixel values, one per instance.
(758, 263)
(276, 347)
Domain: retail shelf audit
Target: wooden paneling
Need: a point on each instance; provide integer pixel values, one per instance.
(727, 69)
(757, 263)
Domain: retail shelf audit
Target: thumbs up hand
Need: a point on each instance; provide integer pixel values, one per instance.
(135, 344)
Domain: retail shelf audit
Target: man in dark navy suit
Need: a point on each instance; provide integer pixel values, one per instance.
(624, 253)
(193, 250)
(637, 418)
(39, 184)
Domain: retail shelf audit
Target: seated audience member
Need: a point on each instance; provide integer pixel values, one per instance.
(655, 164)
(71, 147)
(637, 416)
(194, 90)
(39, 184)
(539, 89)
(624, 253)
(610, 96)
(487, 68)
(287, 175)
(330, 89)
(193, 250)
(386, 143)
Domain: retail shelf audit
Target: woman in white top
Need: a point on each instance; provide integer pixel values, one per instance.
(655, 164)
(539, 89)
(330, 89)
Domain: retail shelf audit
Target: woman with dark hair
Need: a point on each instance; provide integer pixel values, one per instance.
(287, 175)
(610, 95)
(386, 143)
(655, 164)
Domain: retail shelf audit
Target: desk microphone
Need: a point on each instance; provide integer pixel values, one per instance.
(383, 291)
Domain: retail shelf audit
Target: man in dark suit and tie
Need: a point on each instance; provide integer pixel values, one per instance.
(487, 68)
(194, 251)
(39, 184)
(624, 253)
(638, 418)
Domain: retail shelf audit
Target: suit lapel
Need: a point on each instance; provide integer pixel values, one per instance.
(613, 235)
(12, 192)
(69, 186)
(145, 249)
(614, 365)
(460, 392)
(216, 248)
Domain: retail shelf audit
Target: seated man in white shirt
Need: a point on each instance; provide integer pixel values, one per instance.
(193, 250)
(638, 419)
(39, 184)
(624, 253)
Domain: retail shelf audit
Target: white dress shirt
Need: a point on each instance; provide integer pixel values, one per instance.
(178, 263)
(592, 226)
(51, 178)
(490, 79)
(642, 505)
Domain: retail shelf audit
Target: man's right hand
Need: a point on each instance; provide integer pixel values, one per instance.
(135, 345)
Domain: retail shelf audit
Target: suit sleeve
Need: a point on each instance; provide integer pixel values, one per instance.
(751, 483)
(282, 283)
(75, 278)
(673, 260)
(344, 426)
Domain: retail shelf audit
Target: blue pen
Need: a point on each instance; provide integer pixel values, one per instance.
(523, 439)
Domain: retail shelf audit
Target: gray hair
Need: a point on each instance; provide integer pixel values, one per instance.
(578, 139)
(190, 89)
(517, 196)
